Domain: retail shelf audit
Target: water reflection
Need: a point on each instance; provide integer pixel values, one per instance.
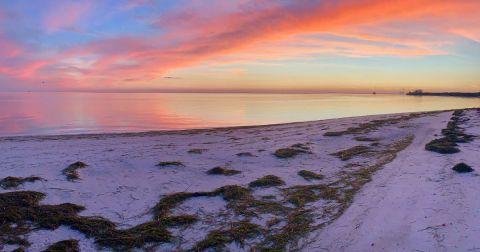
(68, 113)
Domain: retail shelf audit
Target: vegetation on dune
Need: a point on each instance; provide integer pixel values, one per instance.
(292, 151)
(14, 182)
(64, 246)
(309, 175)
(222, 171)
(170, 163)
(71, 172)
(267, 181)
(347, 154)
(462, 168)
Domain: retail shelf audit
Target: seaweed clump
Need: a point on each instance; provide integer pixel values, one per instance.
(309, 175)
(245, 154)
(14, 182)
(170, 163)
(239, 200)
(452, 135)
(65, 245)
(298, 225)
(292, 151)
(347, 154)
(373, 125)
(21, 213)
(169, 202)
(267, 181)
(366, 139)
(442, 146)
(238, 232)
(222, 171)
(71, 172)
(197, 151)
(301, 195)
(462, 168)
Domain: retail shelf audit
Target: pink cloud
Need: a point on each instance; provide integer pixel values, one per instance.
(66, 14)
(9, 49)
(253, 30)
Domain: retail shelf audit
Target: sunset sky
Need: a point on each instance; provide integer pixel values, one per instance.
(240, 45)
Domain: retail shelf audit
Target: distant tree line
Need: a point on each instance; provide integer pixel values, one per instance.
(420, 92)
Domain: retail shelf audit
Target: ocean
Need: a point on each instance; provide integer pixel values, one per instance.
(78, 113)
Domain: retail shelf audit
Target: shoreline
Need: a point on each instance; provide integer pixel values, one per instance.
(190, 131)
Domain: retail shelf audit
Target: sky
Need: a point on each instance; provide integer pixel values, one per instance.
(240, 45)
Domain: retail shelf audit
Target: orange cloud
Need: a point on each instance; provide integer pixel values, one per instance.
(259, 30)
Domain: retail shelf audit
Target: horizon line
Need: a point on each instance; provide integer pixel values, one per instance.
(206, 91)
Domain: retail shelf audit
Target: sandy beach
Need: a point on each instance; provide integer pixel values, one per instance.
(352, 184)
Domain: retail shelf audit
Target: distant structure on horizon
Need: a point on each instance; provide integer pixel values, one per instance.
(420, 92)
(416, 92)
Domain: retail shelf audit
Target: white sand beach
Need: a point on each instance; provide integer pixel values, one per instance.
(368, 184)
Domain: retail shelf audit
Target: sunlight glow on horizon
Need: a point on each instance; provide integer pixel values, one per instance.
(280, 46)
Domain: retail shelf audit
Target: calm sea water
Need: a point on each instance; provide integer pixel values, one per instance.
(73, 113)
